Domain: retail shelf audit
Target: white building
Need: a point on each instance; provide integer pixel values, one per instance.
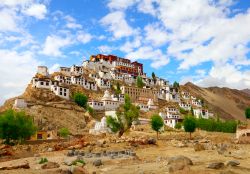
(84, 82)
(196, 102)
(170, 116)
(65, 71)
(41, 83)
(107, 103)
(185, 95)
(185, 105)
(143, 107)
(43, 70)
(102, 83)
(20, 104)
(203, 113)
(76, 70)
(60, 91)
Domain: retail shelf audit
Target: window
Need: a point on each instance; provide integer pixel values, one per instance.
(41, 83)
(64, 94)
(60, 93)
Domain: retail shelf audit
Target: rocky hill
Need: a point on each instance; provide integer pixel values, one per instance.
(246, 91)
(50, 111)
(228, 103)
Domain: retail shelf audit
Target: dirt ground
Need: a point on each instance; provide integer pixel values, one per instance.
(149, 158)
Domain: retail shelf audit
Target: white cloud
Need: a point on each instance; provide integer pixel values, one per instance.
(71, 23)
(8, 20)
(54, 44)
(129, 46)
(147, 6)
(13, 3)
(84, 37)
(54, 68)
(36, 10)
(117, 24)
(148, 53)
(156, 35)
(121, 4)
(16, 72)
(105, 49)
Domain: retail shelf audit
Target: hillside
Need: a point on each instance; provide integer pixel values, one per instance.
(50, 111)
(228, 103)
(246, 91)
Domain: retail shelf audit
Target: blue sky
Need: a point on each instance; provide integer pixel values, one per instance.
(203, 41)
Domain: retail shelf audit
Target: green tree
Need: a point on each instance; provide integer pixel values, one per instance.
(125, 115)
(189, 124)
(192, 111)
(154, 77)
(247, 112)
(64, 132)
(178, 125)
(156, 123)
(176, 84)
(139, 82)
(80, 99)
(118, 88)
(16, 127)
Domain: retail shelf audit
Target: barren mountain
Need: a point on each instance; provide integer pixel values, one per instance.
(246, 91)
(227, 103)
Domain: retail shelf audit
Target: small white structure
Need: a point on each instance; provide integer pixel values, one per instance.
(43, 70)
(103, 83)
(151, 105)
(185, 105)
(185, 95)
(41, 83)
(108, 103)
(143, 107)
(65, 71)
(203, 113)
(100, 127)
(60, 91)
(96, 105)
(20, 104)
(170, 116)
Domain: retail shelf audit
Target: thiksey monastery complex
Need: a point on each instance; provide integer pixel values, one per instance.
(102, 72)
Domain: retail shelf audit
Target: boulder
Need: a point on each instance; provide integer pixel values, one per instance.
(199, 147)
(151, 141)
(18, 166)
(71, 153)
(179, 163)
(78, 170)
(69, 161)
(180, 158)
(233, 163)
(97, 162)
(216, 165)
(50, 165)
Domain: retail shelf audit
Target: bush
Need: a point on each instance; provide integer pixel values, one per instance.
(78, 161)
(216, 125)
(156, 123)
(139, 82)
(183, 111)
(16, 127)
(178, 125)
(64, 132)
(80, 99)
(247, 113)
(189, 124)
(43, 160)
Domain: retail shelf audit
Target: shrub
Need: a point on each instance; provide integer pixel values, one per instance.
(178, 125)
(189, 124)
(247, 113)
(16, 126)
(78, 161)
(139, 82)
(43, 160)
(183, 111)
(64, 132)
(80, 99)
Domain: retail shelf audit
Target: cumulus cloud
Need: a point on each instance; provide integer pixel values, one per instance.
(117, 24)
(36, 10)
(148, 53)
(84, 37)
(16, 70)
(121, 4)
(10, 20)
(71, 22)
(53, 45)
